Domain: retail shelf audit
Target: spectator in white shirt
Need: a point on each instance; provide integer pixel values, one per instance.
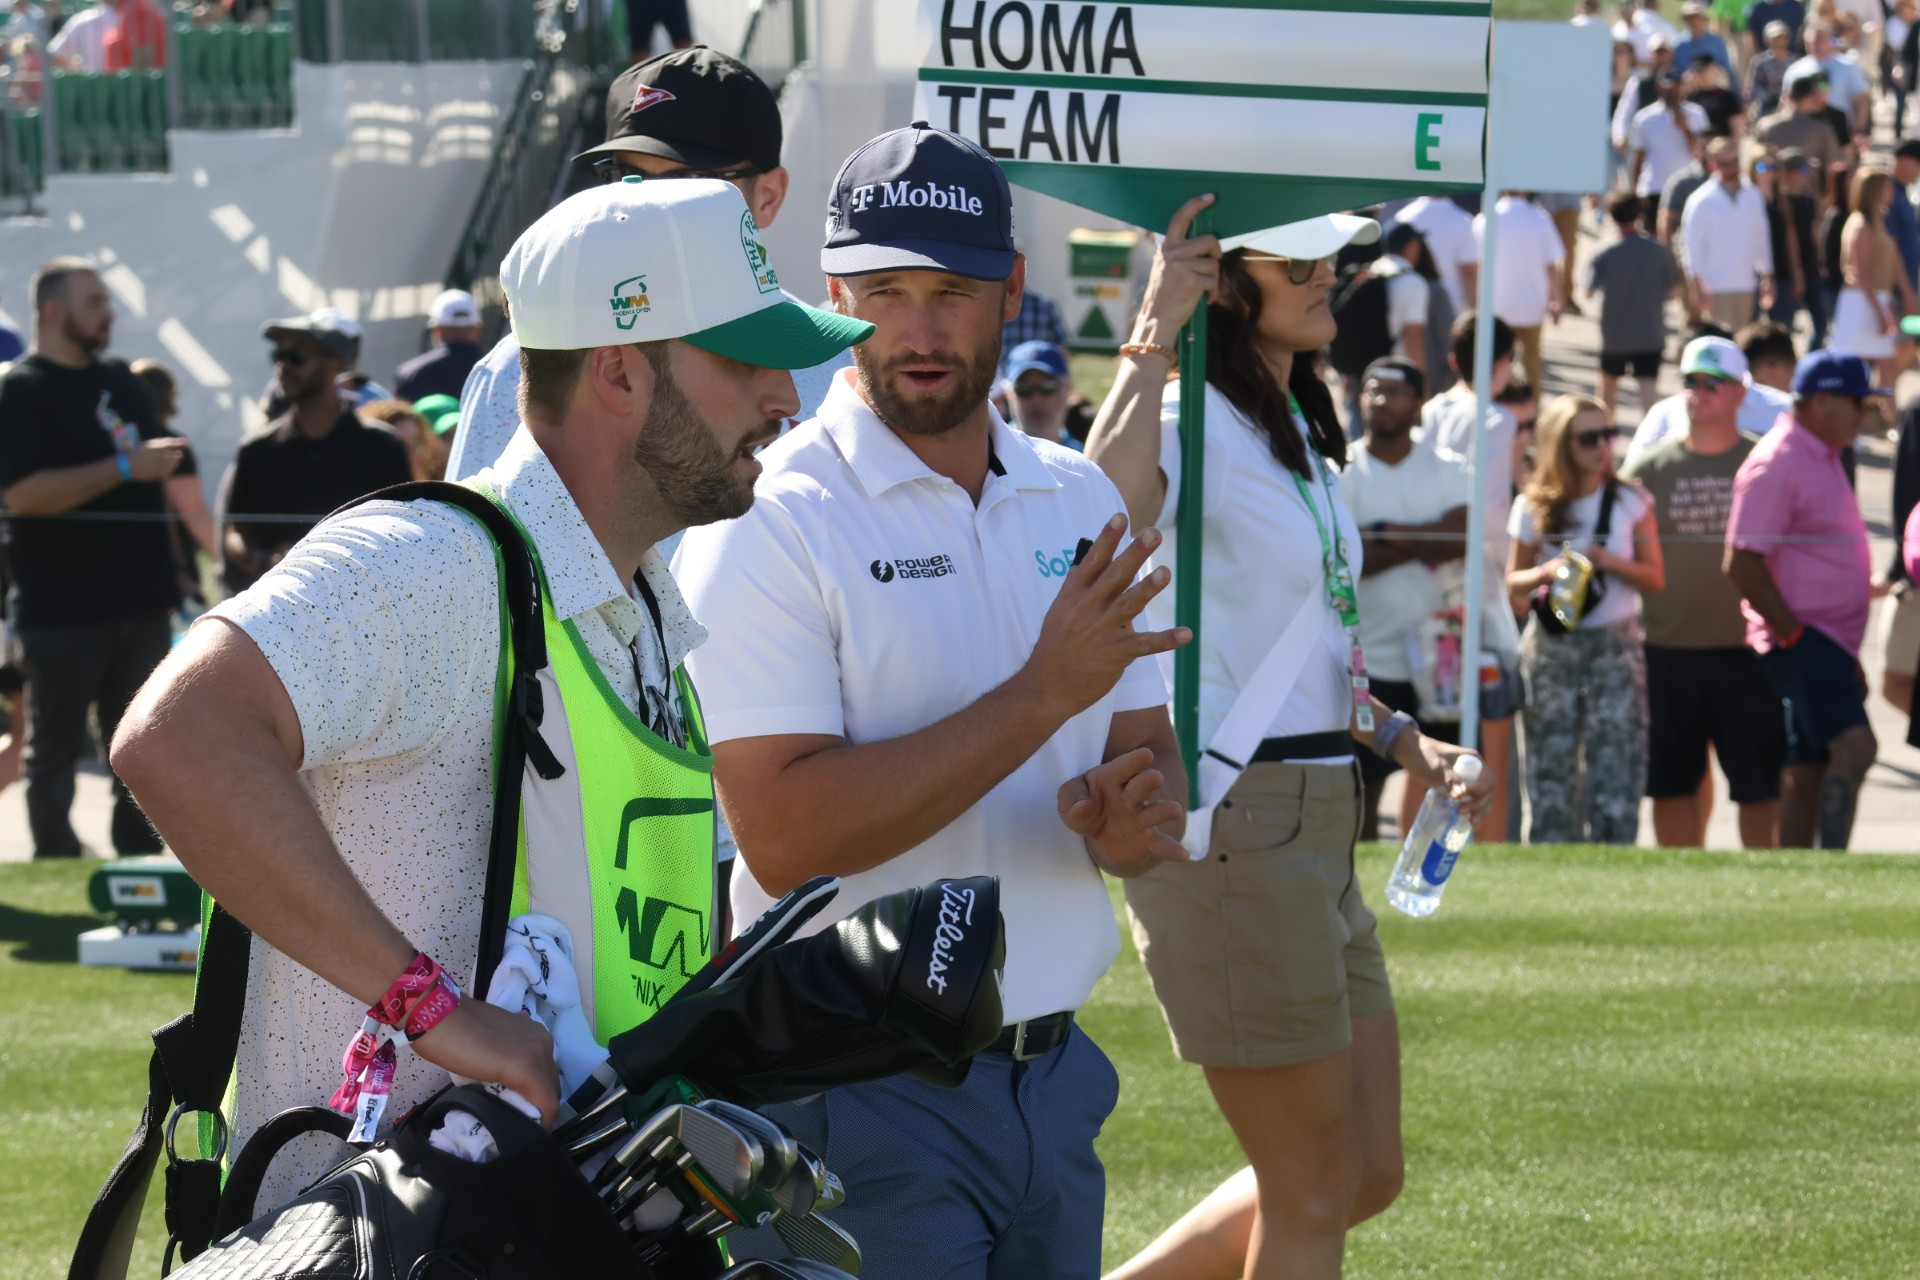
(1761, 347)
(1661, 137)
(1587, 13)
(1847, 82)
(1411, 506)
(1528, 257)
(1451, 245)
(1727, 241)
(1641, 91)
(81, 44)
(1642, 28)
(1406, 292)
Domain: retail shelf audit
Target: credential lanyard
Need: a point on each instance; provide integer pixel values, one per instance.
(1341, 593)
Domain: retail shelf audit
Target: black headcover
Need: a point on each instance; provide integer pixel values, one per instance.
(908, 983)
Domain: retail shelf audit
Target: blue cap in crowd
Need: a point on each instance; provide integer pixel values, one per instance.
(1826, 372)
(1043, 357)
(920, 198)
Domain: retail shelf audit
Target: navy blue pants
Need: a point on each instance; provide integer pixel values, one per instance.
(994, 1180)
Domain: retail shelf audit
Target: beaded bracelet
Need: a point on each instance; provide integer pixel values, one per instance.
(1146, 349)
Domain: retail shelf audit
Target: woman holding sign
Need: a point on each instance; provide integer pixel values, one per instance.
(1263, 953)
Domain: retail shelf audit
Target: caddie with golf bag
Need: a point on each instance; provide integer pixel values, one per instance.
(453, 706)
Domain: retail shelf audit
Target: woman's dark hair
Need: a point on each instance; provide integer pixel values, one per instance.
(1237, 370)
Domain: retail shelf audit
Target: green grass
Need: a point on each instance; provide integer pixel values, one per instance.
(1619, 1063)
(73, 1069)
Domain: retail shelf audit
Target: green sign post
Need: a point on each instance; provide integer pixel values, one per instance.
(1282, 109)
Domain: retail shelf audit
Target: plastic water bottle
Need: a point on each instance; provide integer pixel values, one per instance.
(1433, 846)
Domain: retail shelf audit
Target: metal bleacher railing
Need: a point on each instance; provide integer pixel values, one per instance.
(558, 105)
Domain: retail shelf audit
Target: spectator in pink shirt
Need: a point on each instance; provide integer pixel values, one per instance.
(1910, 546)
(1797, 549)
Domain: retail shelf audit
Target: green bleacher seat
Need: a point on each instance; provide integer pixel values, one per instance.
(279, 77)
(74, 125)
(249, 77)
(155, 120)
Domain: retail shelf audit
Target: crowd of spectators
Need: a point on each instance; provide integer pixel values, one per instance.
(1753, 218)
(111, 543)
(1748, 200)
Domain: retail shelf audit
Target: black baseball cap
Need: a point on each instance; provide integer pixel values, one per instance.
(697, 106)
(920, 198)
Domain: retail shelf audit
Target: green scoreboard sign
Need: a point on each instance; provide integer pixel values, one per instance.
(1283, 108)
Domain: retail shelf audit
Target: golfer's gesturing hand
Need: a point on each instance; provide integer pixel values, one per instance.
(1088, 639)
(1123, 812)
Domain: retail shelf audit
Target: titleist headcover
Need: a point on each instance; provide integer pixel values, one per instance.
(908, 983)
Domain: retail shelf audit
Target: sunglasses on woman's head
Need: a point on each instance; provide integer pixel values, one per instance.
(1593, 439)
(1299, 270)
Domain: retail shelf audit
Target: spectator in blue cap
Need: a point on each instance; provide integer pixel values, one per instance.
(910, 674)
(1039, 387)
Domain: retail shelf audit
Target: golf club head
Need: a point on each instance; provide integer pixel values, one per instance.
(729, 1153)
(782, 1152)
(829, 1192)
(815, 1237)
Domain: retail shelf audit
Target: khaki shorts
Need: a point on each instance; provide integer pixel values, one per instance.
(1263, 955)
(1902, 654)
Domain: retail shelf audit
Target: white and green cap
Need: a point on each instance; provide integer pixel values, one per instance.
(640, 261)
(1715, 357)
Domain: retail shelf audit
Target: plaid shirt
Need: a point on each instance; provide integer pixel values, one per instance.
(1766, 81)
(1039, 321)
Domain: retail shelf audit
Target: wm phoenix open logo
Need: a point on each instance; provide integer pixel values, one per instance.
(630, 301)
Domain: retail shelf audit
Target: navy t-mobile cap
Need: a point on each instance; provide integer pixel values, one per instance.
(920, 199)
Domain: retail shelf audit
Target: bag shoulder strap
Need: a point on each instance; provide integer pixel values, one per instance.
(1265, 692)
(194, 1054)
(1604, 525)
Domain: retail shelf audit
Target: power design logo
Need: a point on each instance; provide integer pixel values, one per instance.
(912, 567)
(630, 301)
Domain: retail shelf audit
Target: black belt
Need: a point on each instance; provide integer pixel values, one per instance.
(1305, 746)
(1034, 1038)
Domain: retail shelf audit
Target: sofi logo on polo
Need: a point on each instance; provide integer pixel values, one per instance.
(926, 195)
(1054, 566)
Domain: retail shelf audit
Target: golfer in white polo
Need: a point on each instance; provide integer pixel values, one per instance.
(907, 678)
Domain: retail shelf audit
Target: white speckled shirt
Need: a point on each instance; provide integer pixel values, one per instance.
(384, 626)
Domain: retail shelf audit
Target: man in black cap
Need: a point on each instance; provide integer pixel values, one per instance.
(316, 456)
(910, 674)
(693, 113)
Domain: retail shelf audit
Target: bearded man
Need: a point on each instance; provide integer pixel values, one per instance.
(83, 465)
(923, 662)
(320, 750)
